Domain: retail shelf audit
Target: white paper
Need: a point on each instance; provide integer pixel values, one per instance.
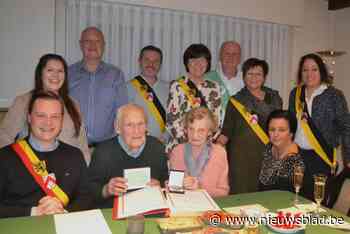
(176, 179)
(137, 177)
(141, 201)
(306, 208)
(302, 208)
(85, 222)
(247, 209)
(192, 201)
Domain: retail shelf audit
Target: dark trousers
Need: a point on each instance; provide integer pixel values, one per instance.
(335, 185)
(313, 165)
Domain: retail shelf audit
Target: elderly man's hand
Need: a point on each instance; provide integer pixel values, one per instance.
(154, 183)
(49, 205)
(191, 183)
(115, 185)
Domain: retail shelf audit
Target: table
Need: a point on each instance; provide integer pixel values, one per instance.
(272, 200)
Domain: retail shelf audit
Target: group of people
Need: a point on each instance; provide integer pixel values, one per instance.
(66, 143)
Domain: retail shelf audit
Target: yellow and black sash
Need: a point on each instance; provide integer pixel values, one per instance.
(195, 96)
(38, 170)
(150, 97)
(315, 138)
(249, 118)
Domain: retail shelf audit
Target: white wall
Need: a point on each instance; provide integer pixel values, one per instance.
(316, 34)
(311, 36)
(342, 42)
(26, 32)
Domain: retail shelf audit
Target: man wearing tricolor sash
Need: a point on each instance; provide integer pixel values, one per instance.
(40, 175)
(149, 92)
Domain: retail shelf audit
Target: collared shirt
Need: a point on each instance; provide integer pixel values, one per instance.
(36, 145)
(228, 87)
(232, 85)
(161, 89)
(128, 151)
(300, 137)
(99, 95)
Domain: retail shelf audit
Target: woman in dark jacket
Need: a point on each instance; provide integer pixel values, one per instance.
(323, 119)
(243, 131)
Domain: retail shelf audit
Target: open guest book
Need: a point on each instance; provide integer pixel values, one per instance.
(149, 200)
(153, 200)
(191, 203)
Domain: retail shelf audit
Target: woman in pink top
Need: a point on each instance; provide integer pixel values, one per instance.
(205, 164)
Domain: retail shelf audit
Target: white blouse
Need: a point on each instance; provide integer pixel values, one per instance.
(300, 136)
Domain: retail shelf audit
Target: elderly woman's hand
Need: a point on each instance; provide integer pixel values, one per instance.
(191, 183)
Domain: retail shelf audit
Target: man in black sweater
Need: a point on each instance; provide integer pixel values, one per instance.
(41, 175)
(131, 148)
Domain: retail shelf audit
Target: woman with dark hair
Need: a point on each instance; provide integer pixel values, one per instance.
(281, 155)
(50, 75)
(243, 132)
(323, 118)
(190, 91)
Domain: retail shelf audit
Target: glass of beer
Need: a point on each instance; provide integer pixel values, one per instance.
(298, 175)
(319, 189)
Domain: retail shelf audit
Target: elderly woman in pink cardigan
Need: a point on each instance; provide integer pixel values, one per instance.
(205, 164)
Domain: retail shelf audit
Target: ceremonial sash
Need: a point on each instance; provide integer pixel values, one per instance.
(38, 170)
(151, 99)
(190, 90)
(249, 118)
(318, 143)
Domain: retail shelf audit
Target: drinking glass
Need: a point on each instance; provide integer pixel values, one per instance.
(136, 224)
(298, 175)
(319, 189)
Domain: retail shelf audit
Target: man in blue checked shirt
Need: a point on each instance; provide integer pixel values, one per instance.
(99, 87)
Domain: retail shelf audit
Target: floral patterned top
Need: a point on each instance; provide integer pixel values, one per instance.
(179, 104)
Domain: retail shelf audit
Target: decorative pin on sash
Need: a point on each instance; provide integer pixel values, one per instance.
(50, 181)
(254, 119)
(150, 96)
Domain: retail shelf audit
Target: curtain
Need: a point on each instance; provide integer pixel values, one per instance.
(128, 28)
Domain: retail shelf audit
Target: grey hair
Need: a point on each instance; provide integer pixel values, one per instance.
(95, 29)
(228, 42)
(122, 111)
